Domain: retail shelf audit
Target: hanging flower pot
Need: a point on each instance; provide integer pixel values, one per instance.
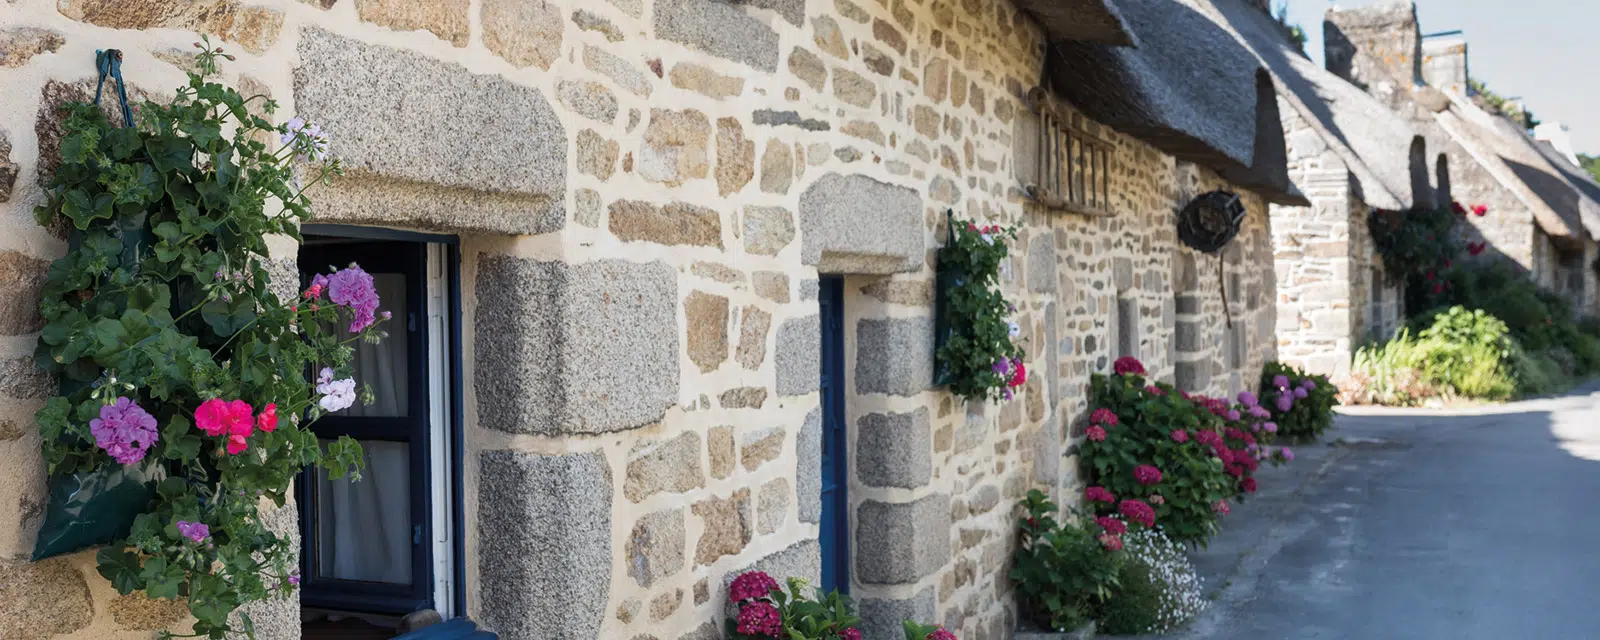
(976, 351)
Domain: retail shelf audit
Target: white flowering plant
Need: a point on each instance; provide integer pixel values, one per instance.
(180, 367)
(978, 356)
(1157, 590)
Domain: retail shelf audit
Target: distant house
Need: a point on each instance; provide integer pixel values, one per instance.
(1535, 218)
(666, 272)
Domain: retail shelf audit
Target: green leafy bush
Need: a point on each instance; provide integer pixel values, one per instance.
(1064, 569)
(1389, 374)
(765, 611)
(1301, 404)
(1157, 591)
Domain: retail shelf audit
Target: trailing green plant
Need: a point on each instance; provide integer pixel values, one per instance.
(766, 611)
(1063, 570)
(1301, 404)
(176, 359)
(1419, 248)
(1157, 591)
(979, 356)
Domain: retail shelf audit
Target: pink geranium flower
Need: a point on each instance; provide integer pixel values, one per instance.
(124, 430)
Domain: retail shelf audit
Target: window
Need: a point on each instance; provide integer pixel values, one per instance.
(1072, 169)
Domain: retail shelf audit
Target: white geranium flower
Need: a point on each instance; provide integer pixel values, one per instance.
(337, 395)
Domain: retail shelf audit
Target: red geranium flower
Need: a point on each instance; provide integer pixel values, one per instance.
(1480, 210)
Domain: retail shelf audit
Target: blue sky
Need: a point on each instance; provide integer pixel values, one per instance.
(1539, 50)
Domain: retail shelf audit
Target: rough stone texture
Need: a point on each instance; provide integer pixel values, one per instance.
(655, 548)
(22, 278)
(895, 449)
(674, 224)
(20, 379)
(1047, 453)
(772, 506)
(42, 599)
(828, 37)
(771, 118)
(254, 28)
(597, 156)
(720, 448)
(853, 88)
(854, 224)
(808, 474)
(1042, 274)
(589, 207)
(721, 29)
(591, 100)
(8, 169)
(707, 631)
(936, 79)
(728, 526)
(675, 146)
(754, 324)
(916, 293)
(672, 466)
(743, 398)
(703, 80)
(18, 45)
(589, 21)
(799, 560)
(706, 317)
(882, 618)
(806, 66)
(772, 285)
(799, 356)
(898, 543)
(626, 75)
(894, 355)
(777, 168)
(736, 157)
(550, 580)
(662, 607)
(761, 447)
(876, 60)
(496, 163)
(574, 348)
(445, 18)
(767, 230)
(138, 611)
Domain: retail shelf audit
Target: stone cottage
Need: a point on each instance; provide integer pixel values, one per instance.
(667, 266)
(1349, 154)
(1535, 216)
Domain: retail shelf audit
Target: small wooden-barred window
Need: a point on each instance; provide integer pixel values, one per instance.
(1074, 161)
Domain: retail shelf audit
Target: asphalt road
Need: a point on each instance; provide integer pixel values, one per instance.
(1464, 524)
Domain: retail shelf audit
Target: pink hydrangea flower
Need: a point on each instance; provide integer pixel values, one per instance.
(1281, 382)
(1103, 416)
(1112, 525)
(1287, 453)
(941, 634)
(850, 634)
(759, 617)
(1128, 365)
(1111, 542)
(1285, 402)
(1257, 411)
(196, 531)
(1270, 427)
(1248, 399)
(1233, 415)
(1096, 433)
(1300, 393)
(1147, 474)
(1249, 485)
(1138, 511)
(124, 430)
(1155, 498)
(353, 288)
(1308, 384)
(1098, 494)
(751, 585)
(1179, 435)
(1221, 507)
(1155, 390)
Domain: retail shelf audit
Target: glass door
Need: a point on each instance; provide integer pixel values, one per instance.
(366, 544)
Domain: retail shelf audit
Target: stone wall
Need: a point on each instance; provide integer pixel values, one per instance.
(647, 192)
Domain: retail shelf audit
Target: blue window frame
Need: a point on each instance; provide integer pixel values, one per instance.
(835, 521)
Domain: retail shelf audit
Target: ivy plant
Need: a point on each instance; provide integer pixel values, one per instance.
(175, 355)
(979, 356)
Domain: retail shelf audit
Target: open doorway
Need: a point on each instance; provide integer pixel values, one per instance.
(376, 550)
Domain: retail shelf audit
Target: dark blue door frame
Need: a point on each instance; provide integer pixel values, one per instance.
(834, 531)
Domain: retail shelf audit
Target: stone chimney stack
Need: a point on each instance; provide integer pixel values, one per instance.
(1377, 47)
(1444, 61)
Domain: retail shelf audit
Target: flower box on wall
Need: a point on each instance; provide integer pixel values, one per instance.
(975, 350)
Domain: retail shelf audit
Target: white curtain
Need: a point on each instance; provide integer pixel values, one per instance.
(364, 528)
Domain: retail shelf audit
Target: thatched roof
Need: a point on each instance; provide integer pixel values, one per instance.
(1372, 140)
(1095, 21)
(1514, 159)
(1588, 188)
(1190, 89)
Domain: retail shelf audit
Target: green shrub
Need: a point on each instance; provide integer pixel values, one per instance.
(1310, 401)
(1468, 353)
(1389, 374)
(1062, 570)
(1157, 591)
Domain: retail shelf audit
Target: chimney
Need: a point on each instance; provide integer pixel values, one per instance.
(1377, 48)
(1444, 61)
